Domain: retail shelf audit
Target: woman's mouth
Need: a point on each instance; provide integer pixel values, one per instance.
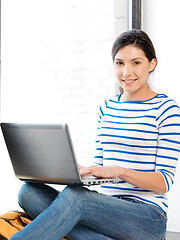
(129, 80)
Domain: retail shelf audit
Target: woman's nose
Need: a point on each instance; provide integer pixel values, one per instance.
(126, 71)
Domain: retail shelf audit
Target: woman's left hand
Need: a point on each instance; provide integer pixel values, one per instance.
(101, 171)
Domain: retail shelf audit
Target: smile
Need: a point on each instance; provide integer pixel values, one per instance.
(129, 80)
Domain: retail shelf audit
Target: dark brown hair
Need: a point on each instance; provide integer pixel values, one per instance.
(136, 38)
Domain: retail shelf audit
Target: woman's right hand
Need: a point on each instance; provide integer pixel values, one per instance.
(84, 170)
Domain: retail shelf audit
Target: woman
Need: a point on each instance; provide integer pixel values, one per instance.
(138, 141)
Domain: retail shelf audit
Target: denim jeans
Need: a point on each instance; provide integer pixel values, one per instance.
(81, 214)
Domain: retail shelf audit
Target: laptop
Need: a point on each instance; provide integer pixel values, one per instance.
(44, 153)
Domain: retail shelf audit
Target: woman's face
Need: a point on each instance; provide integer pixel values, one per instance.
(132, 69)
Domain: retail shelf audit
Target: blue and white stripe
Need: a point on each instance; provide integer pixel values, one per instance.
(139, 135)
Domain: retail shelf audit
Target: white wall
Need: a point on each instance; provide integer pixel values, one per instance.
(56, 66)
(161, 20)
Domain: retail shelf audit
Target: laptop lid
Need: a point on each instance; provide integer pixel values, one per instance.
(41, 152)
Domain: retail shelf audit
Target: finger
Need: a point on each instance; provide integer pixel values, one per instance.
(80, 166)
(84, 171)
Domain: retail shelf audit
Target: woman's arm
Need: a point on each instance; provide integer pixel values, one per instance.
(150, 181)
(153, 181)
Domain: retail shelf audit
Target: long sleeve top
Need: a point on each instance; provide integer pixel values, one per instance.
(139, 135)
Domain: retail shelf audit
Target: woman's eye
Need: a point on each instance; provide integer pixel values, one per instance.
(119, 63)
(136, 63)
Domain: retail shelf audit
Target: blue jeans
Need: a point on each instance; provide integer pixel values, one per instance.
(80, 214)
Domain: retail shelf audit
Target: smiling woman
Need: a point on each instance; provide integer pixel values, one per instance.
(134, 58)
(138, 141)
(132, 69)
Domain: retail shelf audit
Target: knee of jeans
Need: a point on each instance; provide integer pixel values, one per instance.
(74, 194)
(25, 194)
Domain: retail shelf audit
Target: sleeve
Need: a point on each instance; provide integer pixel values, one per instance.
(168, 124)
(98, 157)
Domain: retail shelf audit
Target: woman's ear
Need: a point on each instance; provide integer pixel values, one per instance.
(153, 64)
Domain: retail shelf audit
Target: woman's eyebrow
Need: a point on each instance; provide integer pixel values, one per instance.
(118, 59)
(137, 58)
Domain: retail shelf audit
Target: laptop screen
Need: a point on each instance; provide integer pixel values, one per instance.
(41, 152)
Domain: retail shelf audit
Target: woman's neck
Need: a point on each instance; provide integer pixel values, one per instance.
(128, 96)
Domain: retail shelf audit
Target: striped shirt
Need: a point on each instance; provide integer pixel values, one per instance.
(139, 135)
